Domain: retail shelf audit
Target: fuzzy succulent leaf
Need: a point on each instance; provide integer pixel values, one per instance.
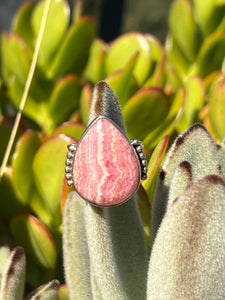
(75, 249)
(221, 157)
(45, 292)
(4, 255)
(194, 146)
(187, 259)
(12, 283)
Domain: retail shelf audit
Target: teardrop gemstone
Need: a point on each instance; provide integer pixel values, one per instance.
(106, 169)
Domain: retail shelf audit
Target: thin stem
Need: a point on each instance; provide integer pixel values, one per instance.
(26, 89)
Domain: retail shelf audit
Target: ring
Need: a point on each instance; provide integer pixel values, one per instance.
(105, 167)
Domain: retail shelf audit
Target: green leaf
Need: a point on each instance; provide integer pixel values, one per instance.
(22, 25)
(196, 148)
(183, 29)
(154, 165)
(122, 82)
(15, 57)
(157, 49)
(195, 97)
(65, 97)
(217, 107)
(12, 284)
(29, 232)
(22, 165)
(46, 292)
(158, 76)
(85, 102)
(49, 175)
(75, 249)
(168, 125)
(145, 210)
(63, 293)
(10, 203)
(73, 129)
(55, 28)
(188, 253)
(211, 54)
(123, 48)
(145, 111)
(70, 57)
(95, 70)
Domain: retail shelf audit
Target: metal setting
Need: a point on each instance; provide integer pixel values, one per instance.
(136, 144)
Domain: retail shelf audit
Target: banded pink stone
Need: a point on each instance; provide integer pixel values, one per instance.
(106, 169)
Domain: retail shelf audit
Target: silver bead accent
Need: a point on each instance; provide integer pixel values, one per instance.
(135, 142)
(68, 176)
(145, 170)
(144, 162)
(70, 154)
(139, 149)
(144, 176)
(142, 155)
(70, 182)
(72, 147)
(68, 169)
(69, 162)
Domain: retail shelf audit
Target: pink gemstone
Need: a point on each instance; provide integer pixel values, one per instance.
(106, 169)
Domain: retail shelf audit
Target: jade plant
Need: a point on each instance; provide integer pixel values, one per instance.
(162, 90)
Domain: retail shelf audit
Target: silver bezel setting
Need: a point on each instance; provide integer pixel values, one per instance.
(137, 147)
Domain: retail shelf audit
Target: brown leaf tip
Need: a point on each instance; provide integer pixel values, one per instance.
(17, 254)
(162, 174)
(99, 93)
(180, 139)
(54, 285)
(187, 166)
(215, 179)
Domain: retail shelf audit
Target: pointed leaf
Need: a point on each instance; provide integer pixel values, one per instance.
(22, 25)
(183, 29)
(75, 248)
(123, 48)
(122, 82)
(148, 107)
(74, 51)
(49, 175)
(217, 107)
(12, 285)
(188, 252)
(65, 97)
(56, 25)
(211, 54)
(145, 210)
(47, 292)
(35, 238)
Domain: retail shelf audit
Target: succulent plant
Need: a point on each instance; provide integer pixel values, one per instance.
(177, 213)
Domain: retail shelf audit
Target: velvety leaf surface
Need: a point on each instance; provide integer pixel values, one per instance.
(12, 284)
(46, 292)
(70, 57)
(65, 97)
(123, 48)
(29, 232)
(49, 174)
(195, 146)
(221, 155)
(75, 248)
(22, 25)
(187, 259)
(168, 125)
(217, 107)
(4, 255)
(183, 29)
(145, 111)
(56, 25)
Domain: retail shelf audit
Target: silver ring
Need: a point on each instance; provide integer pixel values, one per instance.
(105, 167)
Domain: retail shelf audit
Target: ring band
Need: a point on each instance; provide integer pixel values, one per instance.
(105, 167)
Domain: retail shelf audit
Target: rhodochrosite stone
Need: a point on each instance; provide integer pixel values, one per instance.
(106, 169)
